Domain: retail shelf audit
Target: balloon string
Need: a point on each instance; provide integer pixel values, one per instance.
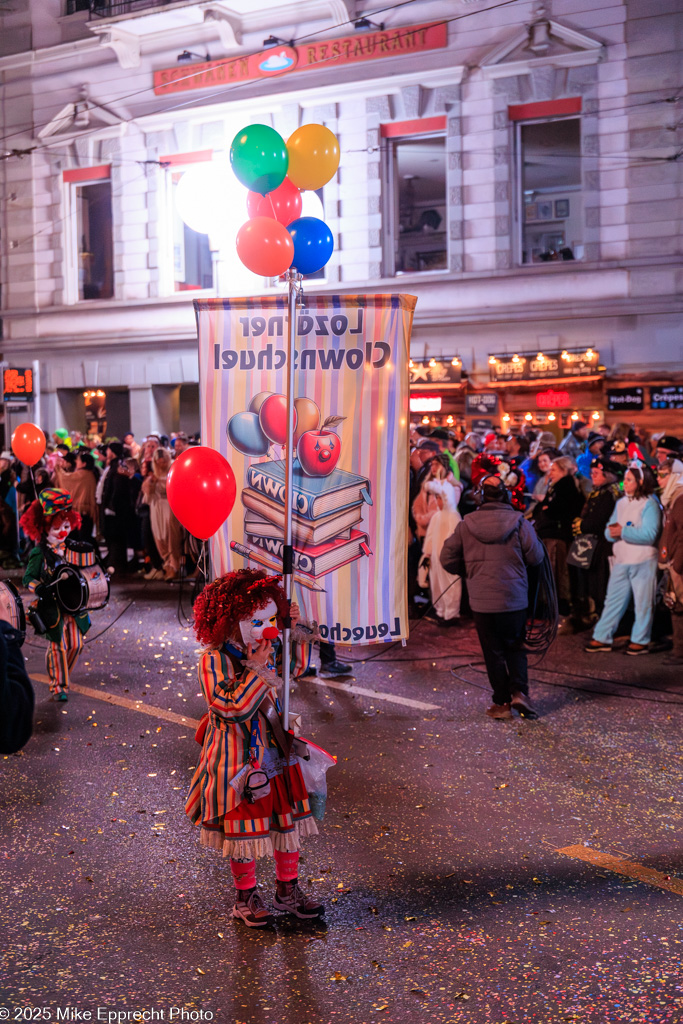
(272, 205)
(33, 481)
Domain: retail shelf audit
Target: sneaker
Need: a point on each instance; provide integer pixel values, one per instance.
(635, 649)
(251, 910)
(334, 668)
(290, 899)
(523, 706)
(62, 695)
(310, 673)
(594, 646)
(499, 711)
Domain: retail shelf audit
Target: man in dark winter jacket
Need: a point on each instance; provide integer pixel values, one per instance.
(492, 548)
(16, 693)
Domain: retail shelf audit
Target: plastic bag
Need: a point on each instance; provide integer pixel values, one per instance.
(314, 771)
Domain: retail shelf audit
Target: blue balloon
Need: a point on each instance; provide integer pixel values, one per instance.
(313, 244)
(245, 434)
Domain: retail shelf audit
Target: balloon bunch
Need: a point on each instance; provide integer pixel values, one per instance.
(277, 237)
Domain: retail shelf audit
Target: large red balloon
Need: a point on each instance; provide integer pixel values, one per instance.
(201, 490)
(283, 203)
(265, 246)
(28, 443)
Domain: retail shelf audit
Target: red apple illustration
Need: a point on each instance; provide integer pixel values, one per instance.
(273, 418)
(319, 450)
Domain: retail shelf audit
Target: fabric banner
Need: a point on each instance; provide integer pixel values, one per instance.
(350, 494)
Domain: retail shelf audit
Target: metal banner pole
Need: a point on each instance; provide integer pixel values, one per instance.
(293, 280)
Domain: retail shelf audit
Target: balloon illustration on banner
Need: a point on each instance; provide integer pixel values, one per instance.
(277, 237)
(201, 490)
(28, 443)
(317, 447)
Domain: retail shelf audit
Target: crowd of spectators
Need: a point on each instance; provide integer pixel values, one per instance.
(607, 504)
(118, 488)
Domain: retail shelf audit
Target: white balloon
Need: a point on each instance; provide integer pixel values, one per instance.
(210, 200)
(311, 205)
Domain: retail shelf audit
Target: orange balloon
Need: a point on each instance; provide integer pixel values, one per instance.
(265, 246)
(313, 156)
(28, 443)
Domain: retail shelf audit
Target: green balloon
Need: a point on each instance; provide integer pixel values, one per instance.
(259, 158)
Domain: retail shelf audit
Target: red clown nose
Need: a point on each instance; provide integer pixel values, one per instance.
(270, 633)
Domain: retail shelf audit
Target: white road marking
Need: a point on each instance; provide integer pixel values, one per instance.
(392, 698)
(125, 702)
(624, 867)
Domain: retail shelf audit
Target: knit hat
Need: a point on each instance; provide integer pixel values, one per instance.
(608, 466)
(53, 500)
(593, 438)
(578, 425)
(668, 443)
(117, 448)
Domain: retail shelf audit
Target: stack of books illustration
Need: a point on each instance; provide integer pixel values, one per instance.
(326, 519)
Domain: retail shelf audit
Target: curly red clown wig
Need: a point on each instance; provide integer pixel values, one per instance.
(36, 525)
(231, 599)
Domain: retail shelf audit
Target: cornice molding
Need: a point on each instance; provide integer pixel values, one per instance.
(586, 50)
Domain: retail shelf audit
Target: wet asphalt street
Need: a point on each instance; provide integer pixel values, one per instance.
(440, 860)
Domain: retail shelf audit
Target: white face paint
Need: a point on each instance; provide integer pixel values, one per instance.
(58, 534)
(263, 619)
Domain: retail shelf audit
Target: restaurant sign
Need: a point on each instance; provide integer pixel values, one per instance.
(481, 403)
(547, 365)
(669, 397)
(427, 372)
(281, 60)
(625, 398)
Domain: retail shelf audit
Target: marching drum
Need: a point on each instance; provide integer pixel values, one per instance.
(11, 607)
(81, 589)
(79, 553)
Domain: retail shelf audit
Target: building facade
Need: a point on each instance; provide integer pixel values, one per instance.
(516, 165)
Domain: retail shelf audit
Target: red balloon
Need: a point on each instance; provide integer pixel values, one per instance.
(265, 246)
(283, 203)
(201, 490)
(28, 443)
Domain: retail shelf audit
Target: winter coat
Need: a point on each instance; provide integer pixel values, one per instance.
(671, 541)
(571, 445)
(492, 548)
(641, 523)
(16, 693)
(595, 516)
(553, 517)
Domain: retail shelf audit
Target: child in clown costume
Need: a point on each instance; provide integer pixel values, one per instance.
(48, 521)
(245, 751)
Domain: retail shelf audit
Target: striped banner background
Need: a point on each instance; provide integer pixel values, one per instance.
(367, 337)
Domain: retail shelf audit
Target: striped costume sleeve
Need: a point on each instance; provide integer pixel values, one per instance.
(229, 698)
(32, 575)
